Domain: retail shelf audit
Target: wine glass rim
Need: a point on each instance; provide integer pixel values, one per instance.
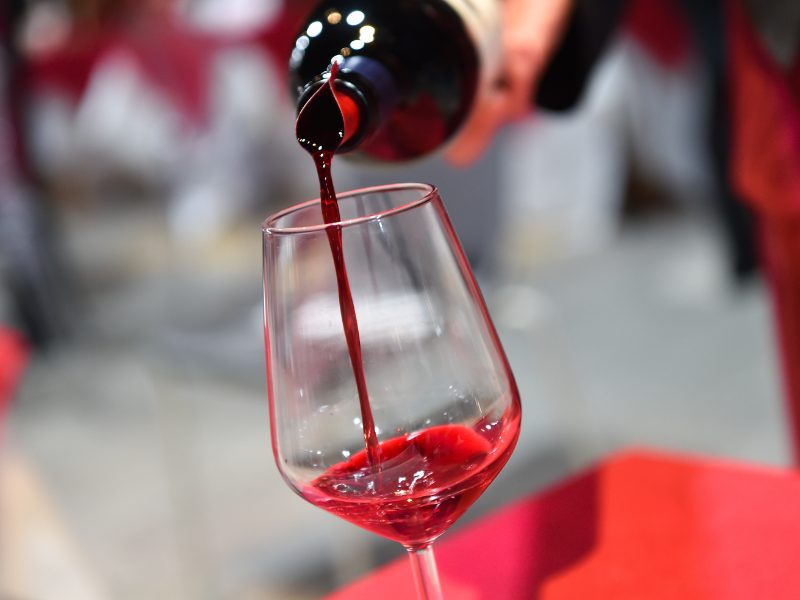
(268, 225)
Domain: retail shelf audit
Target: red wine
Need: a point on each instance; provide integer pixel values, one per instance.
(321, 127)
(427, 480)
(411, 68)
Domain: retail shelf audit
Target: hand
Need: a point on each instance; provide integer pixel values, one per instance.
(531, 31)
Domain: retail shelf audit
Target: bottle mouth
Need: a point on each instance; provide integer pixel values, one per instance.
(366, 93)
(353, 106)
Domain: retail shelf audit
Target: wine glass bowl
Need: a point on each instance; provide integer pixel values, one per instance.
(442, 398)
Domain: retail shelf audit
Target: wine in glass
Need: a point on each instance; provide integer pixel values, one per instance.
(392, 404)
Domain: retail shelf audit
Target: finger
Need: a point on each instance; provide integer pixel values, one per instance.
(521, 71)
(532, 29)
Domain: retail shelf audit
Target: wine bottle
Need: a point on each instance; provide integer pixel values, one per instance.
(409, 69)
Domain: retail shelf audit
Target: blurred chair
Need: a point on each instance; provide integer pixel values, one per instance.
(145, 102)
(179, 100)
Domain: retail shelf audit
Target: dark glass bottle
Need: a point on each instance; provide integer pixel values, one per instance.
(410, 69)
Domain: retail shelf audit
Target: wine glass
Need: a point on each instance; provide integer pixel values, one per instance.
(443, 408)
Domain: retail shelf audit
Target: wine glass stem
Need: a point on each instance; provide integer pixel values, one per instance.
(426, 577)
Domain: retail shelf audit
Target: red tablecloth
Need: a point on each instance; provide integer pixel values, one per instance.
(638, 526)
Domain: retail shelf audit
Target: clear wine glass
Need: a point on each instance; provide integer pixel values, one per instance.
(444, 402)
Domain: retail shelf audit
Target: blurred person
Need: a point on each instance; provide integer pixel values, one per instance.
(551, 47)
(545, 41)
(765, 56)
(643, 122)
(42, 297)
(99, 92)
(160, 92)
(752, 49)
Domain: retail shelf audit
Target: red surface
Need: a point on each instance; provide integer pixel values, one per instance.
(638, 526)
(13, 358)
(766, 172)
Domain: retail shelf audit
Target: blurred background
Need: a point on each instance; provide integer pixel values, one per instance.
(141, 145)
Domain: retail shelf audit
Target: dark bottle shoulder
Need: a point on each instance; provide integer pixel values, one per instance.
(404, 35)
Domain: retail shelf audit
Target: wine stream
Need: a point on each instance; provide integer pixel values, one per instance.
(320, 130)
